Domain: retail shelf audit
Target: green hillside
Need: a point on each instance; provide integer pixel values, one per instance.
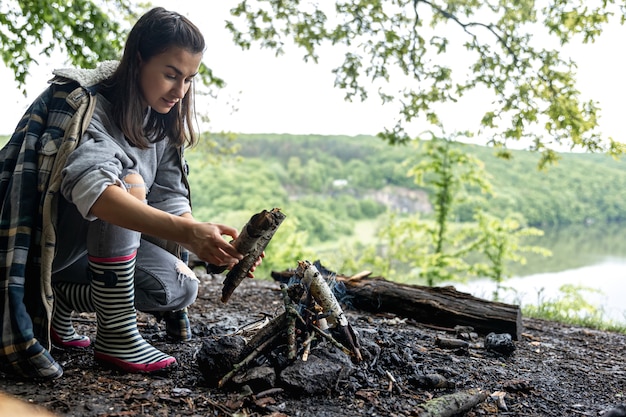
(334, 190)
(339, 174)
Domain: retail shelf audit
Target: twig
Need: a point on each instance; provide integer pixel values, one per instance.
(226, 378)
(291, 312)
(275, 326)
(268, 392)
(392, 380)
(328, 337)
(307, 346)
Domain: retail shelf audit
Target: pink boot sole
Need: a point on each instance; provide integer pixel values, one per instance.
(81, 343)
(135, 367)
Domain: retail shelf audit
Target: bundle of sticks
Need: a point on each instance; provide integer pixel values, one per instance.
(312, 312)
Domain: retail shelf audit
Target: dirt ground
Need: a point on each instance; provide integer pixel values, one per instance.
(555, 370)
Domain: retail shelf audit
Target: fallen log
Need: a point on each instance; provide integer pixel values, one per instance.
(437, 306)
(451, 404)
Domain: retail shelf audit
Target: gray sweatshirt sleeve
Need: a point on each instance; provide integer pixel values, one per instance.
(93, 166)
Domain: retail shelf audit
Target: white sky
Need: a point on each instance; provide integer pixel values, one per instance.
(287, 95)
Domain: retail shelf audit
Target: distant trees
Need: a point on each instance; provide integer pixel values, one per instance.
(580, 189)
(493, 224)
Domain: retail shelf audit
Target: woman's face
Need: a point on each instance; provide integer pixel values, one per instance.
(165, 78)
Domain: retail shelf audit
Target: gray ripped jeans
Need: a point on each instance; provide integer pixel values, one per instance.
(163, 282)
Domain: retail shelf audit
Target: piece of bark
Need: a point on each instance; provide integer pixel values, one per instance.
(438, 306)
(251, 243)
(446, 343)
(451, 404)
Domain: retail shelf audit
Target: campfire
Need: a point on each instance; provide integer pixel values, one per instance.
(312, 321)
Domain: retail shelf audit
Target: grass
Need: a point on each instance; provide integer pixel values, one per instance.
(572, 308)
(598, 323)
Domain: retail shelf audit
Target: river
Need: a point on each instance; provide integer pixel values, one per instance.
(592, 257)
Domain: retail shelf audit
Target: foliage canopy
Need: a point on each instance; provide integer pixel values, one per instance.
(514, 50)
(438, 51)
(85, 31)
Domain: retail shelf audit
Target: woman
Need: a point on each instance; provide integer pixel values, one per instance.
(125, 192)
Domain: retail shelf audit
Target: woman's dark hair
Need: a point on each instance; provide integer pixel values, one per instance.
(154, 33)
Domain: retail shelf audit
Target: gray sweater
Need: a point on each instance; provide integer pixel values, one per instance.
(103, 157)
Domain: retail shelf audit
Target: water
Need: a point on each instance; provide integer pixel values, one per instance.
(607, 279)
(592, 256)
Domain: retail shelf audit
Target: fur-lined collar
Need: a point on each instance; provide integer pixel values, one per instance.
(85, 77)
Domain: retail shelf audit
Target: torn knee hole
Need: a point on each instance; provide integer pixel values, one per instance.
(184, 271)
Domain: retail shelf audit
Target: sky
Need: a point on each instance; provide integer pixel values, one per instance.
(287, 95)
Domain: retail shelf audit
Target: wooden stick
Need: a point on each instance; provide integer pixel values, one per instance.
(451, 404)
(327, 336)
(251, 243)
(307, 346)
(291, 312)
(276, 326)
(226, 378)
(321, 292)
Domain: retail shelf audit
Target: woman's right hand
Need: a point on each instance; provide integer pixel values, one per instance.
(206, 241)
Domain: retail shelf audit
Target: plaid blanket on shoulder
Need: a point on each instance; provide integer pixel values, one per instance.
(30, 167)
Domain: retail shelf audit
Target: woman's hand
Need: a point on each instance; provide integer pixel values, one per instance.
(217, 247)
(207, 241)
(257, 263)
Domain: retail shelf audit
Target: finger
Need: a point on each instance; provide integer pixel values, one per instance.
(229, 251)
(228, 231)
(222, 258)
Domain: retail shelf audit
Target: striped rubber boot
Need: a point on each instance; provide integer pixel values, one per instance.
(118, 341)
(68, 297)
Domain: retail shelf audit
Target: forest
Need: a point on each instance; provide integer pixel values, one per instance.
(338, 175)
(333, 187)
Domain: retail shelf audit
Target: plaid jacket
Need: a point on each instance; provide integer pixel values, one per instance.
(30, 168)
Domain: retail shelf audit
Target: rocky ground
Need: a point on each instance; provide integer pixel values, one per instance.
(554, 370)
